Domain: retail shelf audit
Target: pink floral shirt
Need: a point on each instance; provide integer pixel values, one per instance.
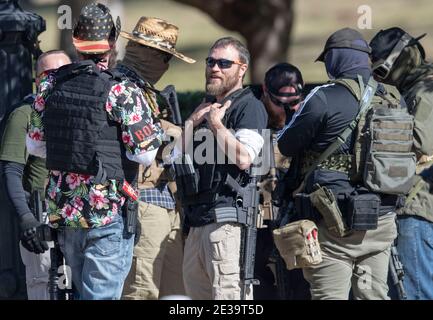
(74, 200)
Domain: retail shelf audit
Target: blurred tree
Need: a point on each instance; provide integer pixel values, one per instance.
(265, 24)
(66, 34)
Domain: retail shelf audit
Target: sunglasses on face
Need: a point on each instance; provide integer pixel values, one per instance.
(222, 63)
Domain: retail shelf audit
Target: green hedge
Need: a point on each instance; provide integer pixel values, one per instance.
(188, 101)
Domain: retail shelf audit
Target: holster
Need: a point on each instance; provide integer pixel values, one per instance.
(131, 214)
(324, 201)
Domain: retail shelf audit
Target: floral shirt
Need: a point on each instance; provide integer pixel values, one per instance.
(74, 200)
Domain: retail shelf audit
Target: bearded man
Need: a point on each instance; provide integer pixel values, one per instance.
(232, 117)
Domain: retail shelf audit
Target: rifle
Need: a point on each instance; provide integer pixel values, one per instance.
(170, 97)
(268, 184)
(247, 203)
(397, 272)
(45, 233)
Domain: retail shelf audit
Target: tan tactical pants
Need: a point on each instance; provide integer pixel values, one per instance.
(211, 262)
(157, 263)
(359, 261)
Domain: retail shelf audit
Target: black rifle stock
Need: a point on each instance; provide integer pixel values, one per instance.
(247, 210)
(397, 272)
(170, 97)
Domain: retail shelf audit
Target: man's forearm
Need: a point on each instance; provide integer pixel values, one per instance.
(233, 149)
(13, 173)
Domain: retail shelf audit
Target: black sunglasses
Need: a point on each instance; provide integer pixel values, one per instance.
(222, 63)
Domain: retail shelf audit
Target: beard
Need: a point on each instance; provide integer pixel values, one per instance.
(220, 86)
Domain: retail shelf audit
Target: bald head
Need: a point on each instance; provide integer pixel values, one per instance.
(51, 60)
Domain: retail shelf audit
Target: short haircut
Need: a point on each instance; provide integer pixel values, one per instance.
(244, 55)
(283, 75)
(47, 53)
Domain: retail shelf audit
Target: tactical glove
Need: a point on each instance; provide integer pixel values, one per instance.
(29, 236)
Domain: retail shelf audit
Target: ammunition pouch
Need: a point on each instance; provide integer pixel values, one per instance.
(298, 244)
(363, 211)
(324, 201)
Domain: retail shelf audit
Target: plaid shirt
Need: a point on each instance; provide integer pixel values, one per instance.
(160, 197)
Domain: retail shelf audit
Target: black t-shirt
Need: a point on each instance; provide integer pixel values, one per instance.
(246, 112)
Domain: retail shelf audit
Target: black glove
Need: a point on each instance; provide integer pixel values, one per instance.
(29, 236)
(137, 232)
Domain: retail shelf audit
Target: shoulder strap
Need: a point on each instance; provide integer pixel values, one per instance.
(233, 97)
(364, 105)
(355, 87)
(114, 74)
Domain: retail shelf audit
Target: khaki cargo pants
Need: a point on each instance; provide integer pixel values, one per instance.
(211, 262)
(359, 261)
(156, 269)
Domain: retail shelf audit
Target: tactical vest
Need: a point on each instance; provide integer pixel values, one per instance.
(211, 176)
(80, 136)
(382, 157)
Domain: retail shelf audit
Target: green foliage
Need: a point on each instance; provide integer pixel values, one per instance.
(188, 101)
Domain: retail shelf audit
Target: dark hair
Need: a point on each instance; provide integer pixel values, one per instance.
(283, 75)
(244, 55)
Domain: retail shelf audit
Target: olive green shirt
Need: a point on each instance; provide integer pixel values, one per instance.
(13, 149)
(419, 98)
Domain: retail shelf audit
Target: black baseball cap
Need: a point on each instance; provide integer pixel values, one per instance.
(385, 40)
(283, 75)
(345, 38)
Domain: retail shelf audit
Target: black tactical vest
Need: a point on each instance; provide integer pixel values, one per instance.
(211, 176)
(80, 137)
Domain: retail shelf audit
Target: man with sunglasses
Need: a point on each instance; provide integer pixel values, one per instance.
(25, 174)
(231, 116)
(158, 254)
(399, 59)
(353, 259)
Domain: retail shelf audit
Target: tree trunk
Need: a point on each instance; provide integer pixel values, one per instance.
(265, 24)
